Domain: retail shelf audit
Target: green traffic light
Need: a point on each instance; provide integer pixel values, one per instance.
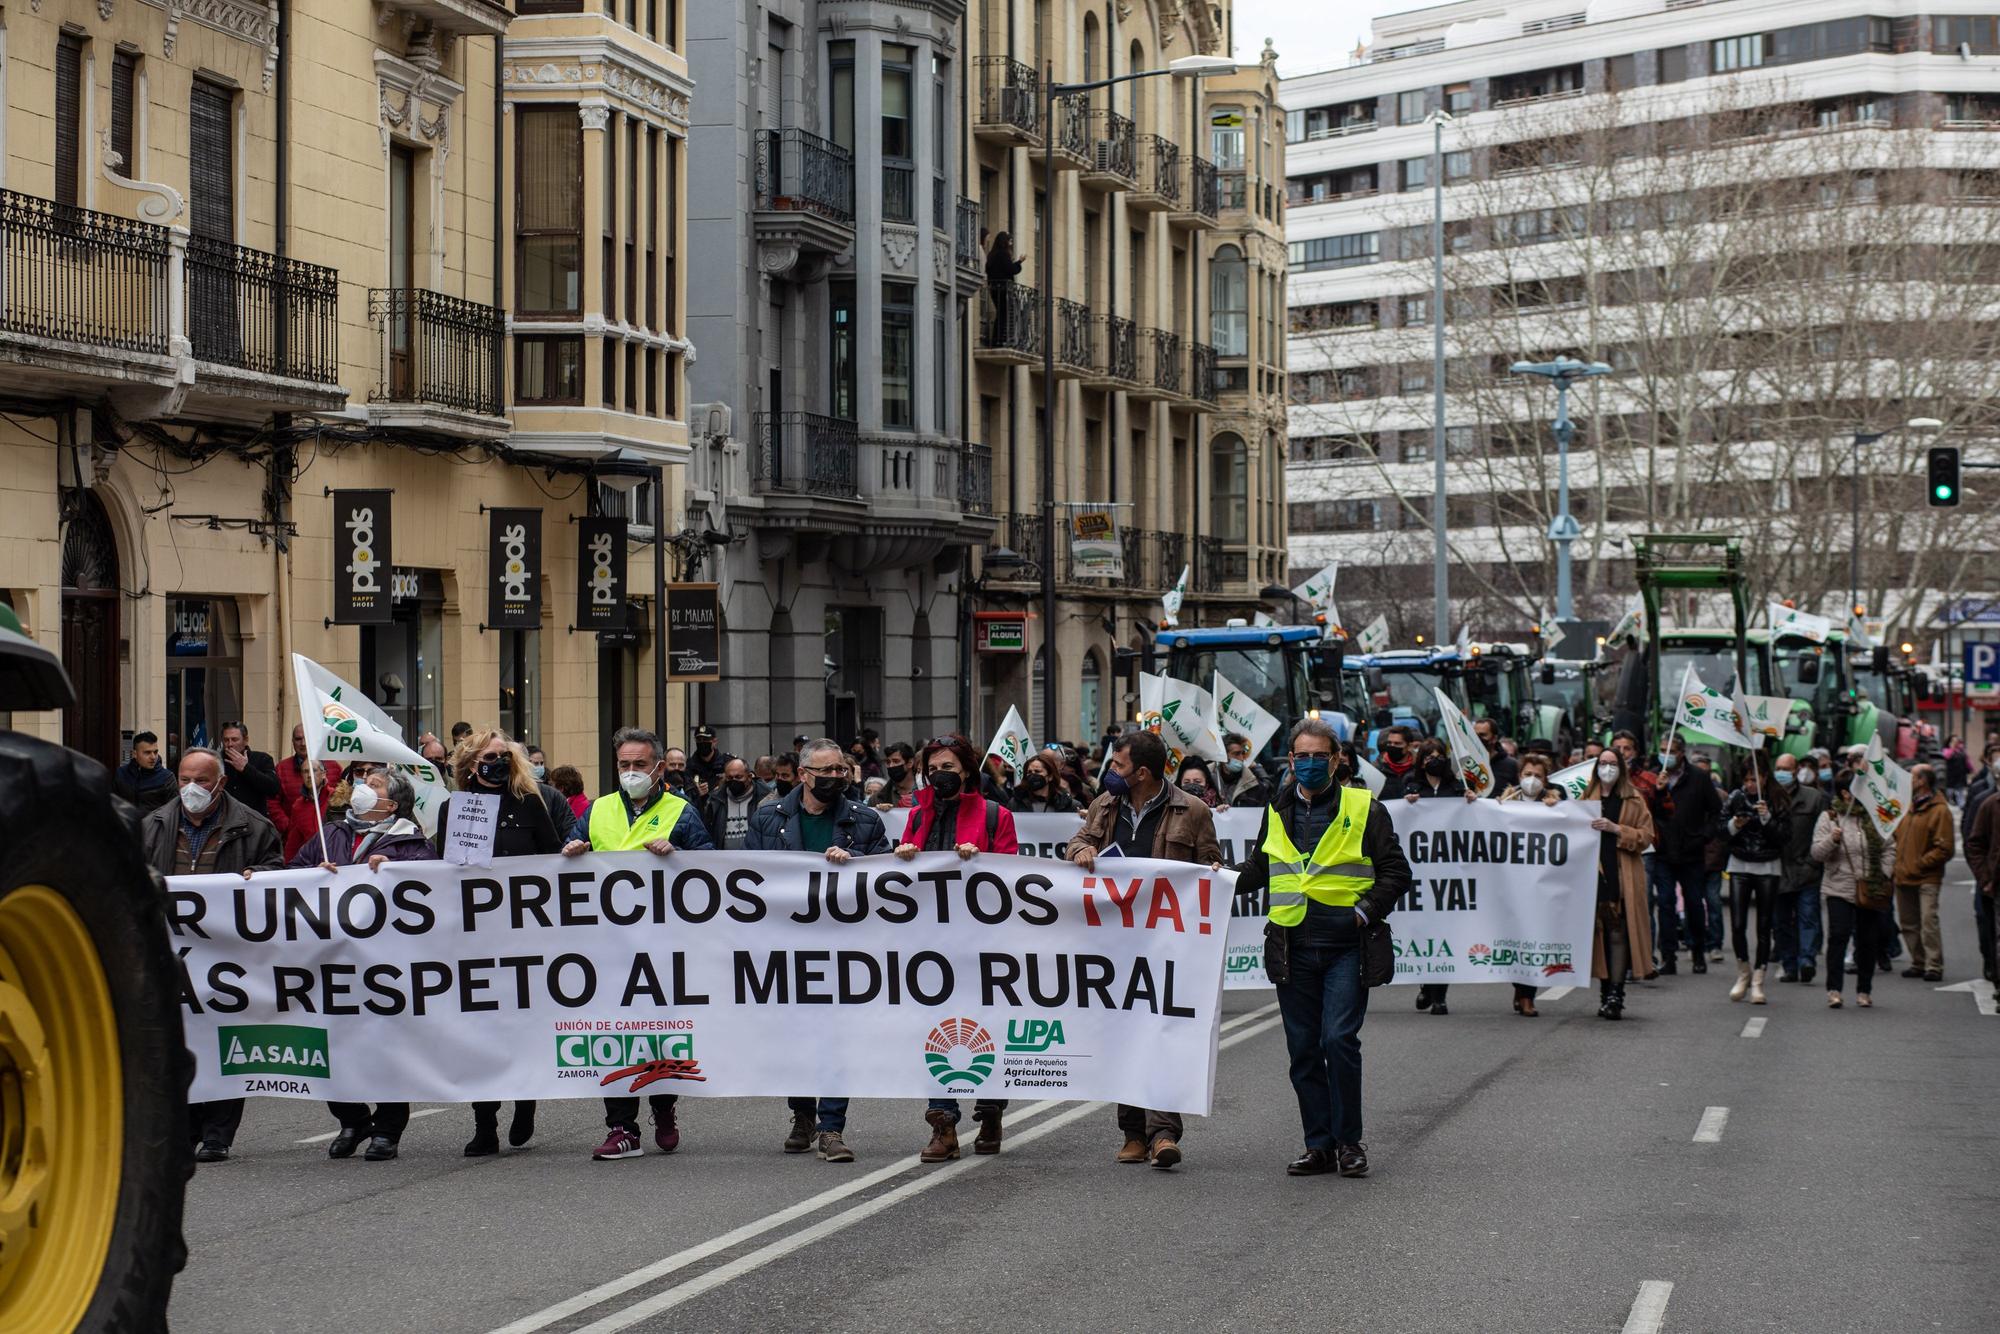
(1941, 491)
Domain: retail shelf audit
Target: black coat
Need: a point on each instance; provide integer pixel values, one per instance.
(1758, 840)
(715, 810)
(1685, 814)
(1396, 789)
(1378, 843)
(525, 828)
(779, 826)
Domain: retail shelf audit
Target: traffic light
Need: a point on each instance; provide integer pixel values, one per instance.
(1943, 473)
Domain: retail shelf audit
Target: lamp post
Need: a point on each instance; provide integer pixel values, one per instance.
(1563, 530)
(1187, 67)
(1922, 425)
(1440, 567)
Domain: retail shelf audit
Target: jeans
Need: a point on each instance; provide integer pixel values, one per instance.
(1323, 1004)
(831, 1112)
(1714, 912)
(951, 1105)
(388, 1120)
(625, 1111)
(1796, 933)
(1864, 925)
(1746, 890)
(1691, 880)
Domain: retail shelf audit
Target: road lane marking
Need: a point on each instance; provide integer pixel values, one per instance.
(1981, 991)
(1555, 993)
(1712, 1122)
(1649, 1308)
(1247, 1016)
(694, 1287)
(321, 1139)
(1755, 1028)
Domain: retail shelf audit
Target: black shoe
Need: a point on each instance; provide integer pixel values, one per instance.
(1807, 973)
(1311, 1163)
(1788, 977)
(1440, 1008)
(344, 1143)
(1351, 1159)
(212, 1151)
(380, 1150)
(1913, 972)
(485, 1141)
(1700, 965)
(522, 1128)
(1423, 998)
(1668, 969)
(801, 1138)
(1933, 975)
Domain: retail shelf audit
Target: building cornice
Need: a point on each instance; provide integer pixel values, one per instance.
(252, 21)
(590, 66)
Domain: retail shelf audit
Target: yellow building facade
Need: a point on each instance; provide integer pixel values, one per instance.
(252, 255)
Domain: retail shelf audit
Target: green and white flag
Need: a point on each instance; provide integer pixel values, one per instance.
(1857, 634)
(1263, 620)
(1764, 715)
(1574, 781)
(1317, 592)
(1011, 743)
(1182, 713)
(1236, 712)
(1883, 787)
(342, 724)
(1171, 599)
(1632, 625)
(1709, 713)
(1374, 636)
(1371, 777)
(1475, 767)
(1800, 624)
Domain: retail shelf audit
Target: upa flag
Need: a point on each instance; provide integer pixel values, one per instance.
(1171, 599)
(343, 724)
(1317, 592)
(1574, 781)
(1475, 767)
(1011, 742)
(1374, 636)
(1764, 715)
(1632, 625)
(1182, 713)
(1799, 624)
(1236, 712)
(1709, 713)
(1857, 634)
(1882, 786)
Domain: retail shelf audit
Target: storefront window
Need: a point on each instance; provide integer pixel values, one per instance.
(521, 685)
(402, 663)
(204, 672)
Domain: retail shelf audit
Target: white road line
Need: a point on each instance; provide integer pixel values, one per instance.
(1981, 991)
(683, 1292)
(1712, 1122)
(1248, 1016)
(1649, 1308)
(1555, 993)
(321, 1139)
(1755, 1028)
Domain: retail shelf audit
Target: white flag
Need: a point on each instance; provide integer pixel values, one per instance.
(1710, 713)
(1575, 780)
(1764, 715)
(1236, 712)
(1553, 635)
(1263, 619)
(1857, 634)
(1464, 641)
(1882, 786)
(1317, 592)
(1171, 599)
(342, 724)
(1182, 713)
(1632, 625)
(1011, 742)
(1475, 767)
(1374, 636)
(1372, 777)
(1802, 624)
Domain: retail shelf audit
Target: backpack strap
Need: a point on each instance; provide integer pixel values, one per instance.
(992, 820)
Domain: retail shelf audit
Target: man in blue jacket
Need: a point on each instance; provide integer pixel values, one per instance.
(818, 816)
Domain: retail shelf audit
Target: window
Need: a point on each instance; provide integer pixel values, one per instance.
(670, 187)
(1229, 302)
(1981, 32)
(1458, 98)
(840, 93)
(1673, 64)
(1335, 252)
(1412, 106)
(548, 207)
(124, 84)
(897, 122)
(1414, 447)
(898, 349)
(1734, 53)
(1415, 173)
(69, 114)
(1229, 487)
(1415, 378)
(841, 385)
(1225, 138)
(1416, 311)
(549, 370)
(1461, 441)
(940, 396)
(1457, 166)
(521, 684)
(1295, 127)
(1621, 73)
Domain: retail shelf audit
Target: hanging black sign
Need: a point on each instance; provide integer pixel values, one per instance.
(600, 574)
(514, 565)
(361, 558)
(694, 633)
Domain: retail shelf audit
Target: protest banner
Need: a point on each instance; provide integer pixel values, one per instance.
(474, 820)
(713, 974)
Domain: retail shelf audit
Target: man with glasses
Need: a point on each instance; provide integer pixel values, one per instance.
(819, 816)
(1323, 905)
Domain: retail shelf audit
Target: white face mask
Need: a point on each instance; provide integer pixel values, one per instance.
(362, 799)
(636, 783)
(195, 798)
(541, 771)
(1531, 786)
(1607, 774)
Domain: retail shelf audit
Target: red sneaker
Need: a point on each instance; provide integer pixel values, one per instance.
(620, 1143)
(666, 1130)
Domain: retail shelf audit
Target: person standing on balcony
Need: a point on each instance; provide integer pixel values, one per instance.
(1001, 271)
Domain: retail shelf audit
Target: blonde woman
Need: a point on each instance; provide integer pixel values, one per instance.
(1624, 934)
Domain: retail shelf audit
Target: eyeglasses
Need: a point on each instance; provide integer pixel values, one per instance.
(830, 771)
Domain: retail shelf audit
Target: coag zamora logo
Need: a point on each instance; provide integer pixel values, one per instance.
(959, 1052)
(514, 567)
(643, 1058)
(603, 581)
(361, 562)
(1034, 1035)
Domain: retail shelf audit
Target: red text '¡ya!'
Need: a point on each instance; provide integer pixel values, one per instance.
(1164, 905)
(652, 1072)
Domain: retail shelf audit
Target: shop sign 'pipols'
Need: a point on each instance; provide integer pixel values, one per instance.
(514, 569)
(361, 558)
(601, 588)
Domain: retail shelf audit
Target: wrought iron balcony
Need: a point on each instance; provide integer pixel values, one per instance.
(1009, 107)
(1160, 371)
(975, 478)
(1072, 337)
(1201, 372)
(74, 276)
(1203, 205)
(264, 313)
(801, 172)
(1114, 151)
(1072, 131)
(1114, 352)
(899, 192)
(966, 254)
(804, 453)
(436, 350)
(1159, 187)
(1011, 325)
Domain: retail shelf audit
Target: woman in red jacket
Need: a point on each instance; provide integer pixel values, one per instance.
(950, 815)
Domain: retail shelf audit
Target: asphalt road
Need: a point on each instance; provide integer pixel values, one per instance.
(1529, 1175)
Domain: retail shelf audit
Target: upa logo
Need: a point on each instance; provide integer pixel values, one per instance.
(273, 1049)
(361, 562)
(514, 567)
(959, 1051)
(1034, 1035)
(603, 581)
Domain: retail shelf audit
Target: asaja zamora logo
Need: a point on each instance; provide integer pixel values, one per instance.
(273, 1049)
(959, 1051)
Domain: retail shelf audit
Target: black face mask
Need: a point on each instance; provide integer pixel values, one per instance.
(493, 773)
(1392, 752)
(783, 785)
(895, 772)
(829, 788)
(1034, 782)
(739, 787)
(1437, 766)
(947, 784)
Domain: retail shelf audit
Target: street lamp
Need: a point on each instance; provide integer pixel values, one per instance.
(1563, 530)
(1187, 67)
(1920, 425)
(1440, 568)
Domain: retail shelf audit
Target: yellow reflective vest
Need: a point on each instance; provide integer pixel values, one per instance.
(610, 832)
(1338, 874)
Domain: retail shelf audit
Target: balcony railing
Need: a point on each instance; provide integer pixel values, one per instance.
(83, 277)
(1231, 189)
(260, 312)
(1009, 96)
(1072, 125)
(975, 479)
(1114, 351)
(1216, 566)
(801, 172)
(1114, 149)
(1013, 320)
(944, 475)
(1204, 194)
(1072, 334)
(899, 188)
(1201, 371)
(1162, 350)
(437, 349)
(1160, 168)
(804, 453)
(965, 240)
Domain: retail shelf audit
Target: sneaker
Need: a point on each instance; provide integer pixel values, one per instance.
(801, 1137)
(622, 1142)
(1351, 1159)
(833, 1149)
(666, 1129)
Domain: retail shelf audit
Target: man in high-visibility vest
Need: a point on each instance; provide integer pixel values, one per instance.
(1333, 867)
(642, 813)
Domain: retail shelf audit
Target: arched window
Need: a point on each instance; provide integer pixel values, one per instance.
(1229, 302)
(1229, 487)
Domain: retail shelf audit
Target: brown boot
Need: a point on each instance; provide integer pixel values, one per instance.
(1166, 1152)
(988, 1138)
(944, 1138)
(1134, 1150)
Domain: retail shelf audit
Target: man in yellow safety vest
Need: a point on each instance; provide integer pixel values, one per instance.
(1322, 905)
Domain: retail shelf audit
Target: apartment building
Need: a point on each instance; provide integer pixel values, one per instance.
(1771, 221)
(255, 255)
